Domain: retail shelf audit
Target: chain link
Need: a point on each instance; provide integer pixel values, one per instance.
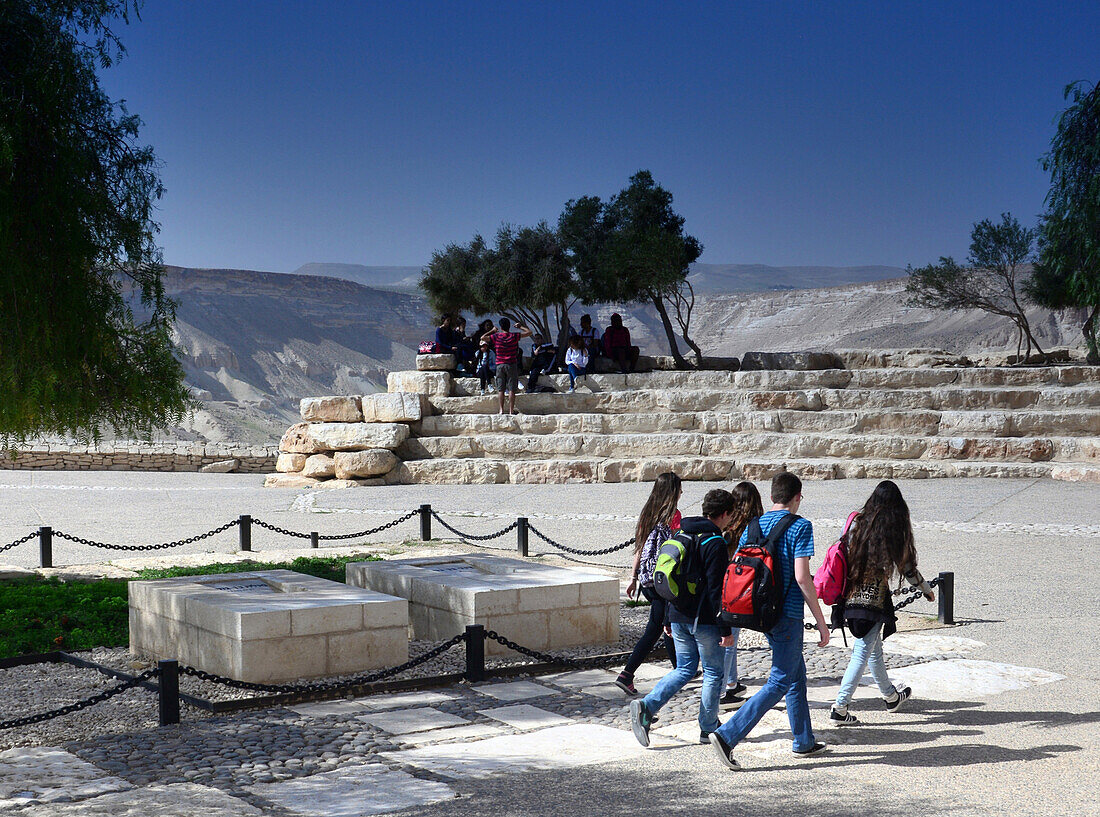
(560, 546)
(379, 529)
(329, 686)
(161, 546)
(913, 593)
(541, 656)
(27, 720)
(470, 536)
(18, 542)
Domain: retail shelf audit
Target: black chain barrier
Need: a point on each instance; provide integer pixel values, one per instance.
(530, 653)
(913, 593)
(18, 542)
(560, 546)
(471, 536)
(161, 546)
(334, 537)
(326, 686)
(106, 694)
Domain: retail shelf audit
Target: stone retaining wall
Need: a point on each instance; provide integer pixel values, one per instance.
(120, 456)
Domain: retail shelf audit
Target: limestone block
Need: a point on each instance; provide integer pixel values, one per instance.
(1076, 473)
(647, 469)
(319, 466)
(433, 384)
(1076, 449)
(956, 423)
(290, 463)
(337, 484)
(221, 467)
(290, 481)
(395, 407)
(533, 472)
(435, 363)
(449, 472)
(331, 409)
(297, 440)
(380, 647)
(369, 463)
(801, 361)
(358, 436)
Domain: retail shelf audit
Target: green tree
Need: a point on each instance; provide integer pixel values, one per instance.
(1068, 269)
(992, 281)
(632, 249)
(77, 252)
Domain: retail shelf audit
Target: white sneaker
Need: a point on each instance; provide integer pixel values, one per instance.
(571, 390)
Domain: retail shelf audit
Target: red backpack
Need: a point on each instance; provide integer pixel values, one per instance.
(831, 579)
(752, 591)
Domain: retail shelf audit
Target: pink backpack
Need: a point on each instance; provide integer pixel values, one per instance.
(831, 578)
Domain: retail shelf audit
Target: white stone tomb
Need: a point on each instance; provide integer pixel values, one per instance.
(536, 605)
(268, 626)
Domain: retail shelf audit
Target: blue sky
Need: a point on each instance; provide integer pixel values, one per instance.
(834, 133)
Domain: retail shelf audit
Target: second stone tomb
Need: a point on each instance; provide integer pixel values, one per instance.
(535, 605)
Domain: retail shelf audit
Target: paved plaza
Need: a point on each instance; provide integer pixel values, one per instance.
(1004, 718)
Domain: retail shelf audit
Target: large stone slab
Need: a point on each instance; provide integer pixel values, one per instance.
(316, 438)
(330, 409)
(370, 463)
(538, 606)
(43, 774)
(354, 791)
(319, 466)
(397, 407)
(799, 361)
(435, 363)
(433, 384)
(172, 800)
(269, 626)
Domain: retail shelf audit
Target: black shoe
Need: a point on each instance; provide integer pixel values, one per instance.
(903, 696)
(730, 700)
(740, 689)
(725, 752)
(816, 749)
(640, 721)
(836, 718)
(704, 736)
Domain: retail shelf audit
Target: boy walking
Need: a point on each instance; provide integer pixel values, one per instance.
(696, 632)
(505, 346)
(788, 673)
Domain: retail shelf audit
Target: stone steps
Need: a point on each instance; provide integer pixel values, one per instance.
(786, 380)
(1068, 423)
(764, 444)
(1049, 398)
(519, 471)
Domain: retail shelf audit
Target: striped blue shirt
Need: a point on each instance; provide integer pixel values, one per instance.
(797, 541)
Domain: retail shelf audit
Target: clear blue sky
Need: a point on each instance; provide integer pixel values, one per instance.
(834, 133)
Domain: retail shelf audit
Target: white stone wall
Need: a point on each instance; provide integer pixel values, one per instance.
(135, 456)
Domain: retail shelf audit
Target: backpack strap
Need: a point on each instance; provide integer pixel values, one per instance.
(779, 531)
(851, 518)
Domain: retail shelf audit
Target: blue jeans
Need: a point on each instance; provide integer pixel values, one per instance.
(731, 660)
(787, 678)
(866, 653)
(690, 650)
(574, 373)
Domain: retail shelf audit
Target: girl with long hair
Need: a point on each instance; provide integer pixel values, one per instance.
(880, 542)
(655, 526)
(747, 506)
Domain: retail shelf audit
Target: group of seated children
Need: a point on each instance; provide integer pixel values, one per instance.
(879, 545)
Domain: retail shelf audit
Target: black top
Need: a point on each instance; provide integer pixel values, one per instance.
(712, 559)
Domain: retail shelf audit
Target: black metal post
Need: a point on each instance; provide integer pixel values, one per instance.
(521, 536)
(947, 598)
(314, 539)
(425, 523)
(169, 697)
(475, 652)
(246, 531)
(45, 546)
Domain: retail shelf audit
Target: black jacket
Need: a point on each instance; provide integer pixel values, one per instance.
(709, 569)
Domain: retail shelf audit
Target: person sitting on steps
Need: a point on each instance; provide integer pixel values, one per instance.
(576, 361)
(879, 541)
(616, 345)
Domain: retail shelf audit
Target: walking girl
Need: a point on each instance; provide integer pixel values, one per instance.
(654, 527)
(747, 507)
(880, 542)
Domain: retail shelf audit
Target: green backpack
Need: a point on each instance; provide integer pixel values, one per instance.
(676, 574)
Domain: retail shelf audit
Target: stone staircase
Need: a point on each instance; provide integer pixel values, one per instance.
(723, 425)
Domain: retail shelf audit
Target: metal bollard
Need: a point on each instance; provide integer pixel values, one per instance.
(314, 539)
(45, 546)
(246, 531)
(169, 693)
(425, 523)
(947, 598)
(475, 652)
(521, 536)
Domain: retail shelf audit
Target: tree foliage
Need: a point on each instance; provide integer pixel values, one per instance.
(632, 249)
(77, 253)
(992, 280)
(1068, 268)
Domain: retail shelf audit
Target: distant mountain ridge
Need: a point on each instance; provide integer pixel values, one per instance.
(400, 278)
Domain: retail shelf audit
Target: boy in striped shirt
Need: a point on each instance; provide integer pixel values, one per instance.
(506, 347)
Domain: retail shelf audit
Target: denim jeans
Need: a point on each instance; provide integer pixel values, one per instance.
(690, 650)
(574, 373)
(654, 631)
(866, 653)
(787, 678)
(731, 660)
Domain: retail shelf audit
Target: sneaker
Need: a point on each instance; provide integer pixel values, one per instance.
(740, 689)
(704, 736)
(725, 751)
(816, 749)
(626, 684)
(903, 695)
(640, 721)
(730, 700)
(845, 718)
(571, 390)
